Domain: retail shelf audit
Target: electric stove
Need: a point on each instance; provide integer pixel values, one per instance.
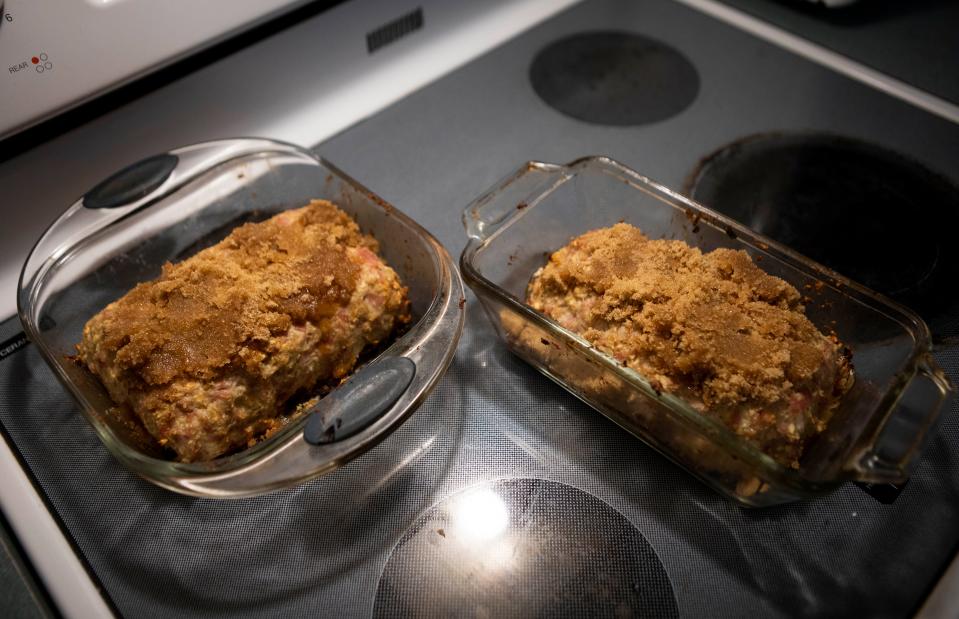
(504, 495)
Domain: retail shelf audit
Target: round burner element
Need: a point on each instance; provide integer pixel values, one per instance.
(526, 548)
(869, 213)
(614, 78)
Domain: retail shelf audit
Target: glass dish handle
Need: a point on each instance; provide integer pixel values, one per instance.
(132, 189)
(888, 457)
(360, 401)
(510, 197)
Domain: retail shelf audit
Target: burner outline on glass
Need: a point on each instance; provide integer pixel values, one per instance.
(523, 547)
(614, 78)
(872, 214)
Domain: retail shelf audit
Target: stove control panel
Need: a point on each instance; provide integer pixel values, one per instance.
(55, 55)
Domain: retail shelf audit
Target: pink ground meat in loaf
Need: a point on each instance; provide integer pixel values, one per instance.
(712, 328)
(208, 355)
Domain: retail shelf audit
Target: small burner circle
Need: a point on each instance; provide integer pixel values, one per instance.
(614, 78)
(526, 548)
(873, 215)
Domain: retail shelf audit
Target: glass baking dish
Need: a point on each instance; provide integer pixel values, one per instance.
(880, 424)
(168, 207)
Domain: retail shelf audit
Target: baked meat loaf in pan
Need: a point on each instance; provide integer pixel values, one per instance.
(712, 328)
(209, 355)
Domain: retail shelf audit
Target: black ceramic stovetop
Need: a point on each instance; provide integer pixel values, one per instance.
(503, 494)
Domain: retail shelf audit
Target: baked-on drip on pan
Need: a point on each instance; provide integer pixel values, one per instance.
(712, 328)
(208, 355)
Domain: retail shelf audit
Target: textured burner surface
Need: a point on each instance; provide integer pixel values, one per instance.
(871, 214)
(524, 548)
(614, 78)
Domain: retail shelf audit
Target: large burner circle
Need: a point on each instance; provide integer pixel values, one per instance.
(869, 213)
(523, 548)
(614, 78)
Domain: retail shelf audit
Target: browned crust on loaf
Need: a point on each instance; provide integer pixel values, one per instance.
(713, 328)
(208, 353)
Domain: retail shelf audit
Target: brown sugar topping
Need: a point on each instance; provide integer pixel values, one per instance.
(713, 327)
(260, 280)
(717, 317)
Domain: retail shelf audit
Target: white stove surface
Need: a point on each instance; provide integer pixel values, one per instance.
(56, 54)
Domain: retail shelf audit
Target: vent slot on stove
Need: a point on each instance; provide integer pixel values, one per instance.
(394, 30)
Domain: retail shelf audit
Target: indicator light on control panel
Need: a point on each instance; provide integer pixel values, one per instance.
(41, 63)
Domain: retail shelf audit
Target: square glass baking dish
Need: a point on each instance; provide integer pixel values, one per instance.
(880, 424)
(167, 208)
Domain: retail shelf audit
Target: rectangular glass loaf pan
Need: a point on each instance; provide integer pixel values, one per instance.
(168, 207)
(880, 424)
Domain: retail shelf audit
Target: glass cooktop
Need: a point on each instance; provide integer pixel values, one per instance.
(504, 495)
